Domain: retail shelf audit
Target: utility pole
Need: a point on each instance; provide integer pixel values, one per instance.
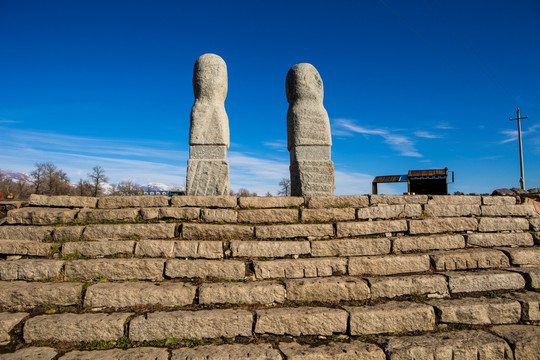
(522, 178)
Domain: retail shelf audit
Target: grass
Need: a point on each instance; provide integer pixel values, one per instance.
(98, 345)
(418, 297)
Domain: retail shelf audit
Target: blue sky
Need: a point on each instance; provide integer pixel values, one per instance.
(408, 85)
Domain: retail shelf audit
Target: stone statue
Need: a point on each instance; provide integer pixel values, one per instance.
(208, 168)
(308, 133)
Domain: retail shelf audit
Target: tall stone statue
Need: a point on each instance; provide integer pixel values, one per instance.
(308, 133)
(208, 168)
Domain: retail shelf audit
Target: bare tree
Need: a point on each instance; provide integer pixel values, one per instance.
(84, 188)
(50, 180)
(128, 187)
(284, 187)
(37, 177)
(98, 177)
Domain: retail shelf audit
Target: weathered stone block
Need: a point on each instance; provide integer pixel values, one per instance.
(20, 294)
(469, 259)
(246, 202)
(535, 223)
(391, 317)
(115, 269)
(268, 216)
(441, 225)
(119, 354)
(398, 199)
(199, 249)
(294, 231)
(451, 210)
(98, 248)
(258, 292)
(7, 323)
(388, 265)
(129, 231)
(75, 327)
(508, 210)
(532, 275)
(301, 321)
(121, 295)
(219, 215)
(530, 304)
(350, 247)
(31, 270)
(456, 199)
(352, 201)
(478, 311)
(100, 215)
(216, 232)
(222, 269)
(34, 353)
(370, 227)
(502, 224)
(21, 247)
(467, 282)
(274, 249)
(68, 233)
(426, 243)
(31, 233)
(313, 177)
(300, 268)
(170, 213)
(224, 201)
(155, 248)
(525, 339)
(500, 239)
(41, 216)
(62, 201)
(393, 286)
(333, 289)
(524, 256)
(498, 200)
(116, 202)
(328, 214)
(332, 351)
(235, 351)
(385, 211)
(191, 325)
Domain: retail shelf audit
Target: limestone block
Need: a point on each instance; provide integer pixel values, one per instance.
(63, 201)
(7, 323)
(219, 215)
(525, 340)
(328, 214)
(445, 210)
(530, 304)
(332, 351)
(260, 216)
(508, 210)
(524, 256)
(313, 178)
(370, 227)
(535, 223)
(273, 249)
(119, 295)
(350, 247)
(222, 269)
(469, 259)
(456, 199)
(391, 317)
(21, 295)
(478, 311)
(129, 231)
(41, 216)
(150, 213)
(223, 201)
(467, 281)
(460, 345)
(119, 354)
(301, 321)
(115, 269)
(384, 211)
(257, 292)
(388, 265)
(199, 249)
(216, 232)
(351, 201)
(30, 269)
(155, 248)
(442, 225)
(34, 353)
(532, 276)
(426, 243)
(398, 199)
(101, 215)
(75, 327)
(300, 268)
(498, 200)
(116, 202)
(500, 239)
(394, 286)
(22, 247)
(247, 202)
(68, 233)
(333, 289)
(294, 231)
(98, 248)
(502, 224)
(179, 213)
(191, 325)
(31, 233)
(234, 351)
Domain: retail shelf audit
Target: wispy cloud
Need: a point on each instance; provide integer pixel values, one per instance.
(444, 126)
(279, 145)
(426, 135)
(512, 135)
(7, 121)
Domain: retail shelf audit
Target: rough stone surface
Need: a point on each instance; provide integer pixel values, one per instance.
(20, 294)
(208, 168)
(129, 231)
(498, 200)
(441, 225)
(532, 275)
(500, 239)
(502, 224)
(301, 321)
(293, 231)
(352, 201)
(467, 282)
(332, 289)
(274, 249)
(115, 269)
(139, 294)
(216, 232)
(385, 211)
(508, 210)
(116, 202)
(391, 317)
(469, 259)
(426, 243)
(222, 269)
(525, 340)
(62, 201)
(68, 233)
(258, 292)
(224, 201)
(228, 352)
(21, 247)
(7, 323)
(31, 233)
(246, 202)
(524, 256)
(31, 270)
(451, 210)
(300, 268)
(350, 247)
(268, 216)
(219, 215)
(478, 311)
(398, 199)
(191, 325)
(370, 227)
(100, 215)
(41, 216)
(388, 265)
(75, 327)
(456, 199)
(142, 353)
(175, 213)
(199, 249)
(393, 286)
(34, 353)
(98, 248)
(155, 248)
(530, 304)
(332, 351)
(477, 345)
(535, 223)
(328, 214)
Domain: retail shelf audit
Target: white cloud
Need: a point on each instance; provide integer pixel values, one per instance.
(512, 135)
(279, 145)
(7, 121)
(426, 135)
(444, 126)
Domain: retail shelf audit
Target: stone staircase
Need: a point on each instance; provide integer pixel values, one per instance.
(345, 277)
